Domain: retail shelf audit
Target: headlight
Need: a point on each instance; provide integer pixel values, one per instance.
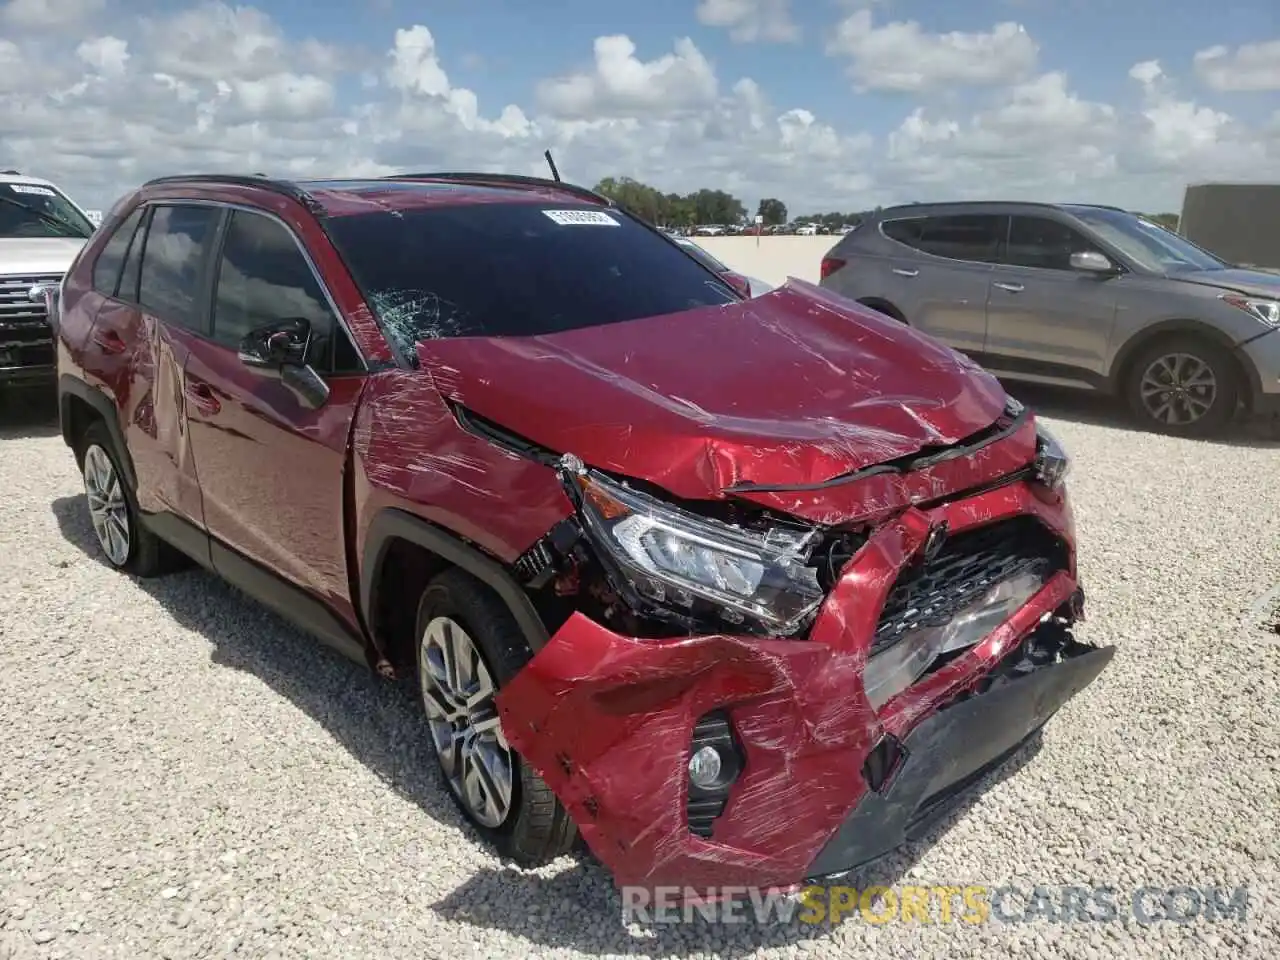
(1266, 310)
(678, 560)
(1052, 463)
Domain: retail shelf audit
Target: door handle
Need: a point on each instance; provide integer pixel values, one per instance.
(1011, 287)
(202, 397)
(902, 272)
(109, 341)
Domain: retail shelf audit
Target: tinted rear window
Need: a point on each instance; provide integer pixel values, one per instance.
(519, 269)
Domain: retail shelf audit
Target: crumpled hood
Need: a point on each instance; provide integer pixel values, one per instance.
(1254, 283)
(32, 256)
(797, 386)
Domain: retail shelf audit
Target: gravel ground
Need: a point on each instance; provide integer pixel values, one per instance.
(182, 775)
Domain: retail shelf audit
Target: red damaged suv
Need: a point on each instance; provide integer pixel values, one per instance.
(745, 591)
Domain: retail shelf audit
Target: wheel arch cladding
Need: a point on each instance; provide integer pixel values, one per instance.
(391, 530)
(1174, 328)
(79, 405)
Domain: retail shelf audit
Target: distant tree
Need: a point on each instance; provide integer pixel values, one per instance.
(673, 209)
(773, 211)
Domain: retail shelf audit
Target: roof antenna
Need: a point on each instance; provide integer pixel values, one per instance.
(555, 174)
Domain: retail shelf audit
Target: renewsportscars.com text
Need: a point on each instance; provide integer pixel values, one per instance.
(970, 904)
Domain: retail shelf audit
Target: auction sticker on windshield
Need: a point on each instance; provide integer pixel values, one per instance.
(28, 188)
(581, 218)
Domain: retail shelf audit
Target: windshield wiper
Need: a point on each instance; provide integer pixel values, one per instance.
(49, 218)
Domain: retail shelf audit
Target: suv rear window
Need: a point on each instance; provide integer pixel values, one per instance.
(515, 270)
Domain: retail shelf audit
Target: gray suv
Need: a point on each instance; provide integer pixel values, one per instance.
(1073, 295)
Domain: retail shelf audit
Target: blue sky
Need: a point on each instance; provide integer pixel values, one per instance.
(501, 48)
(850, 102)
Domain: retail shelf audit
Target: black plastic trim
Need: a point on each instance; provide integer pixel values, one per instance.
(266, 587)
(1045, 368)
(70, 386)
(392, 524)
(948, 753)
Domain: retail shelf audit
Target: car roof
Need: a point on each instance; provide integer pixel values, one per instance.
(339, 197)
(985, 206)
(8, 177)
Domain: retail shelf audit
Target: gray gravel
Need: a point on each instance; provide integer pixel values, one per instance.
(182, 775)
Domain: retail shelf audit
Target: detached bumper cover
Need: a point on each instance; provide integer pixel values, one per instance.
(607, 721)
(949, 752)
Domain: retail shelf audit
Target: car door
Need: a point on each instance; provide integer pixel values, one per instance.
(944, 292)
(272, 465)
(152, 318)
(1045, 319)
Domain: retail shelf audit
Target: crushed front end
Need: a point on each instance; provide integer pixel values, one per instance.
(741, 694)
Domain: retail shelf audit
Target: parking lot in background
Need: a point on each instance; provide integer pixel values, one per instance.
(186, 775)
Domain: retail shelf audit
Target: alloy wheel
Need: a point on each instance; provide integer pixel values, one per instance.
(458, 693)
(1178, 389)
(107, 506)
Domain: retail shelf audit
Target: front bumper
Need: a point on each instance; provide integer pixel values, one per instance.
(1261, 359)
(954, 748)
(607, 721)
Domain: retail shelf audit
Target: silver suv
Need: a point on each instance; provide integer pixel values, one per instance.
(1074, 295)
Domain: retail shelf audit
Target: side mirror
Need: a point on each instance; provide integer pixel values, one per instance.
(1090, 261)
(282, 344)
(281, 350)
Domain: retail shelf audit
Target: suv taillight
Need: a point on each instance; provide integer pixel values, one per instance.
(830, 265)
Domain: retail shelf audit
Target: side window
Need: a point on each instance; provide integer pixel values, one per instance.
(263, 277)
(1044, 243)
(173, 262)
(904, 231)
(972, 237)
(106, 269)
(129, 276)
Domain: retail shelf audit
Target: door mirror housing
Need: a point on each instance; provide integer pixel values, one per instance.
(1090, 261)
(279, 345)
(280, 349)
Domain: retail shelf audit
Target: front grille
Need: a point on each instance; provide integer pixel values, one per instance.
(968, 565)
(26, 339)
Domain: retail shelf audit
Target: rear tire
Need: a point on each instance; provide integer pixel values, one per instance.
(505, 800)
(1183, 385)
(125, 543)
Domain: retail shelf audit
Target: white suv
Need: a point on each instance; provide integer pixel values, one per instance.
(41, 231)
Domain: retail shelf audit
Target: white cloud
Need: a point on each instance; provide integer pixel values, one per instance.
(1251, 67)
(751, 21)
(108, 55)
(622, 85)
(217, 87)
(48, 14)
(900, 56)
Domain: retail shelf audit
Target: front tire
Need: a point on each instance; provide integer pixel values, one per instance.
(468, 647)
(1184, 386)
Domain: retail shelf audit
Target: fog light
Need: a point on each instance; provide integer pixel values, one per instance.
(704, 768)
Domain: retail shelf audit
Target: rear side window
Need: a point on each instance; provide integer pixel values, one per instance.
(515, 270)
(129, 276)
(1041, 242)
(263, 278)
(706, 259)
(173, 263)
(106, 269)
(973, 237)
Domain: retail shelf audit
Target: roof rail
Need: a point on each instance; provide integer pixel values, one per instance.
(285, 188)
(514, 179)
